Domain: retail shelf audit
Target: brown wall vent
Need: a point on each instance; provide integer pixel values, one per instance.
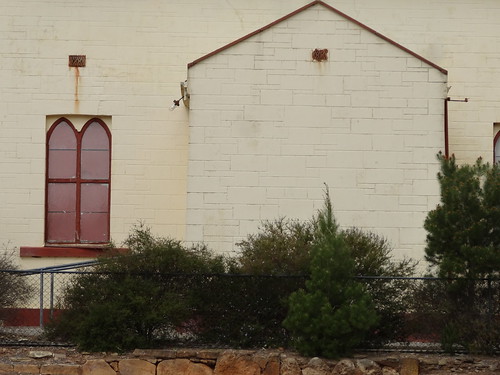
(320, 54)
(77, 61)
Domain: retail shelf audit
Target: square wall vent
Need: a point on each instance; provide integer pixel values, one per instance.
(320, 54)
(77, 61)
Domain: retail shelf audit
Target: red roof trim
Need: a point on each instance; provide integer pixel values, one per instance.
(319, 2)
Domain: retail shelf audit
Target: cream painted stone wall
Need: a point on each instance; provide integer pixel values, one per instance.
(136, 56)
(269, 126)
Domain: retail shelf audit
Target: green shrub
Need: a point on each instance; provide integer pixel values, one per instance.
(283, 247)
(280, 247)
(391, 297)
(138, 299)
(463, 231)
(443, 312)
(333, 314)
(463, 246)
(245, 311)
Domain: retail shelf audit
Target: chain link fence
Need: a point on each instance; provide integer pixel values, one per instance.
(32, 301)
(248, 310)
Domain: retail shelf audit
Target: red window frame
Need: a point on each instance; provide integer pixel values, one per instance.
(87, 194)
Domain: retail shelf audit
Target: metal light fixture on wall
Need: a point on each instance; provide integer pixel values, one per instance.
(185, 97)
(176, 103)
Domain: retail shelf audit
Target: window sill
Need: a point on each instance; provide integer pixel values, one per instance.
(66, 251)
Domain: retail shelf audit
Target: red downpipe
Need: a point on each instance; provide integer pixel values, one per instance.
(446, 144)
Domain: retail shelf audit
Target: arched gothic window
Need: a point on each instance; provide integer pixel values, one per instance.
(78, 183)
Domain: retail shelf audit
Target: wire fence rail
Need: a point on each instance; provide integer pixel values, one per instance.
(249, 309)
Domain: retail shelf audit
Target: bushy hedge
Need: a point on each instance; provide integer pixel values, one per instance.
(284, 247)
(139, 299)
(162, 291)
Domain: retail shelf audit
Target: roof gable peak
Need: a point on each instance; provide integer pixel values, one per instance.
(329, 7)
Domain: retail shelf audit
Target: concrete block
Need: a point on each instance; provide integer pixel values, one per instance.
(390, 64)
(276, 97)
(352, 113)
(394, 102)
(338, 100)
(242, 76)
(376, 176)
(258, 146)
(200, 184)
(246, 211)
(309, 99)
(437, 76)
(387, 142)
(264, 112)
(307, 115)
(409, 76)
(239, 62)
(287, 166)
(248, 195)
(388, 113)
(394, 160)
(250, 163)
(345, 159)
(425, 187)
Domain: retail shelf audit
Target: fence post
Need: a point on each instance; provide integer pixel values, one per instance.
(41, 299)
(490, 304)
(52, 295)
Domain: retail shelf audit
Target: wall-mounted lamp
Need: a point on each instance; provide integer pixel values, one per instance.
(185, 97)
(176, 103)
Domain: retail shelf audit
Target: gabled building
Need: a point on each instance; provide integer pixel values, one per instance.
(314, 97)
(278, 99)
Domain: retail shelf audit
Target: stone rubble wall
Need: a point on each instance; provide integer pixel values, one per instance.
(231, 362)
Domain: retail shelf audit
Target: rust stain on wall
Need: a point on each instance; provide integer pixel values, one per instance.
(77, 85)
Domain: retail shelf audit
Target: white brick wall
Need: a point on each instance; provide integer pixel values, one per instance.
(137, 53)
(367, 133)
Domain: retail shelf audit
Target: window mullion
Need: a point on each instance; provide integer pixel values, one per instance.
(78, 185)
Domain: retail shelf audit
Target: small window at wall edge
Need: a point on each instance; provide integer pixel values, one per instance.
(496, 143)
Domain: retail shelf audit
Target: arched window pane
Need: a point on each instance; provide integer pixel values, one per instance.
(95, 153)
(62, 152)
(63, 137)
(95, 137)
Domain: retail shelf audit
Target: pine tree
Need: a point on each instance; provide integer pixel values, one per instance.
(463, 237)
(333, 314)
(463, 245)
